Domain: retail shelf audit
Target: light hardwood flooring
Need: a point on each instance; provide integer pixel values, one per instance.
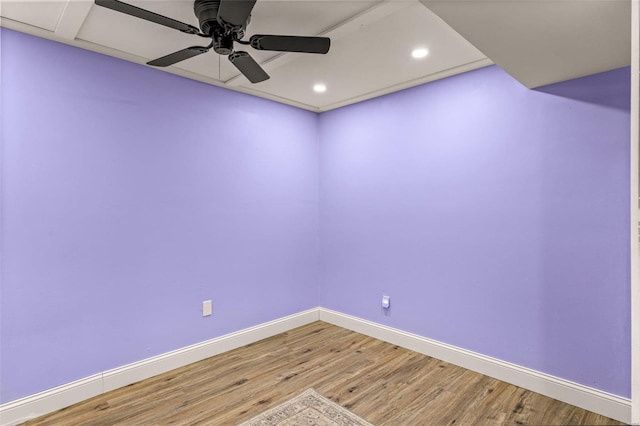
(380, 382)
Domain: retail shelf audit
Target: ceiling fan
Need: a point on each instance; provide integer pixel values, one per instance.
(224, 22)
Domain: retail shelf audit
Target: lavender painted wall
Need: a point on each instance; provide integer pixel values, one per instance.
(496, 218)
(129, 196)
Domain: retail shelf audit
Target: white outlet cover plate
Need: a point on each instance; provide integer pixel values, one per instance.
(207, 308)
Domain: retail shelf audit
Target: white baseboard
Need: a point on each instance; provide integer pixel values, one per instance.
(24, 409)
(600, 402)
(572, 393)
(45, 402)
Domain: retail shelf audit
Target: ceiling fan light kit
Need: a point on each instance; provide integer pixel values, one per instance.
(225, 23)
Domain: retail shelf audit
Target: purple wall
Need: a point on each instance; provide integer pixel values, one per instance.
(496, 218)
(130, 196)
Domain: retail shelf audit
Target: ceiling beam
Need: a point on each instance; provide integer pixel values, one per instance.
(72, 18)
(343, 29)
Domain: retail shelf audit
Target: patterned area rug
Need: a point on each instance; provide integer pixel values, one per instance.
(308, 409)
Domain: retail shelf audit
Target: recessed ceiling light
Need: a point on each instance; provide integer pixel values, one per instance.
(419, 53)
(319, 88)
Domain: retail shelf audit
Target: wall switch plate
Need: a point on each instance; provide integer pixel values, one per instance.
(207, 308)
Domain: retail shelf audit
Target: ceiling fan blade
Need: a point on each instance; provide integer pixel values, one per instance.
(247, 66)
(147, 15)
(178, 56)
(283, 43)
(235, 12)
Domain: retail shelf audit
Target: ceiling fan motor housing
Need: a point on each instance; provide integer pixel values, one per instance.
(207, 13)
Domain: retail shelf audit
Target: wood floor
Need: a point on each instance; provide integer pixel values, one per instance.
(380, 382)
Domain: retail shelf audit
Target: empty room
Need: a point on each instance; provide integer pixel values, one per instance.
(396, 212)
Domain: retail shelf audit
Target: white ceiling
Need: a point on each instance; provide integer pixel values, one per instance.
(371, 41)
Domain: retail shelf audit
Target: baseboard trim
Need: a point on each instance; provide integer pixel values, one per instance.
(591, 399)
(54, 399)
(41, 403)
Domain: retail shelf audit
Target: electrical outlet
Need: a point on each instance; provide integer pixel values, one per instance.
(207, 308)
(386, 302)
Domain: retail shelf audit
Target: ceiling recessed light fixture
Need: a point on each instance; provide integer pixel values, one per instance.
(419, 53)
(319, 88)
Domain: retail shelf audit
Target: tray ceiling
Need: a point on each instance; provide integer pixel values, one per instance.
(371, 41)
